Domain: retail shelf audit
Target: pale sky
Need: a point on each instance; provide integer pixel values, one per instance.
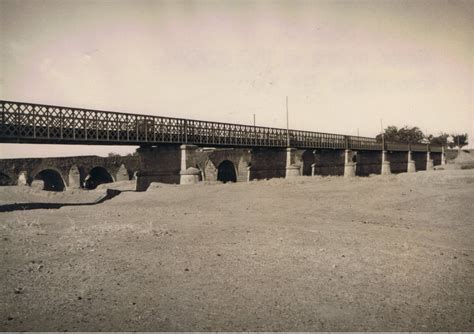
(343, 64)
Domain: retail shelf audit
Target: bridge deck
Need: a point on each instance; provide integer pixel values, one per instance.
(36, 123)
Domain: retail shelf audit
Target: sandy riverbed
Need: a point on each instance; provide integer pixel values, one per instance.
(311, 254)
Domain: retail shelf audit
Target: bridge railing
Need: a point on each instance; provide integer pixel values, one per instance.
(30, 122)
(363, 143)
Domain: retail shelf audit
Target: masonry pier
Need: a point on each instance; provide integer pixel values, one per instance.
(411, 167)
(385, 164)
(292, 169)
(349, 164)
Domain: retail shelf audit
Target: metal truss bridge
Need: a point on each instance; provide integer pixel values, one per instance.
(47, 124)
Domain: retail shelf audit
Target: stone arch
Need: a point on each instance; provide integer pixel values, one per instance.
(52, 179)
(74, 177)
(97, 175)
(6, 180)
(226, 172)
(308, 160)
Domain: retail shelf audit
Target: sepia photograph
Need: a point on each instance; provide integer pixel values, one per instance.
(236, 166)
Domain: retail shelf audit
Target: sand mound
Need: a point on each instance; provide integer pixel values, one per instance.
(465, 157)
(119, 185)
(26, 194)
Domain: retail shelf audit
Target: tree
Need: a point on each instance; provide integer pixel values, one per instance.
(113, 154)
(441, 140)
(459, 141)
(403, 135)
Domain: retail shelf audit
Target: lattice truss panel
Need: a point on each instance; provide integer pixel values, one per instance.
(42, 122)
(10, 120)
(363, 143)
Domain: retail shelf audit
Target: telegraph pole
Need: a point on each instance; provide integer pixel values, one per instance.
(383, 134)
(287, 125)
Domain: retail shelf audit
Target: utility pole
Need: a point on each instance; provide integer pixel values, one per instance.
(287, 125)
(383, 135)
(253, 119)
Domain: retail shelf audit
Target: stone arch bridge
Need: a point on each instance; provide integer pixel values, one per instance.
(68, 172)
(190, 164)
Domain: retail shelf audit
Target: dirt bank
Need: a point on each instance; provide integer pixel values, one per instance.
(311, 254)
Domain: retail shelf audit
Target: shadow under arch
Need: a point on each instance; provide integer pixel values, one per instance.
(5, 180)
(308, 160)
(97, 175)
(226, 172)
(52, 180)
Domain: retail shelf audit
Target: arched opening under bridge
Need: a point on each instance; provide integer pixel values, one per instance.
(308, 161)
(52, 180)
(5, 180)
(226, 172)
(97, 175)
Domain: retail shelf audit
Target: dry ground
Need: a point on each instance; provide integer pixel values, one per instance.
(381, 253)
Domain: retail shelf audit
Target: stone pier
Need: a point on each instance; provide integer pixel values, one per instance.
(429, 161)
(189, 174)
(411, 167)
(385, 164)
(292, 169)
(349, 164)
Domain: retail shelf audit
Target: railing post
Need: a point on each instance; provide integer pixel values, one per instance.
(186, 131)
(2, 105)
(47, 122)
(34, 122)
(85, 124)
(61, 123)
(117, 124)
(128, 128)
(146, 129)
(73, 124)
(136, 128)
